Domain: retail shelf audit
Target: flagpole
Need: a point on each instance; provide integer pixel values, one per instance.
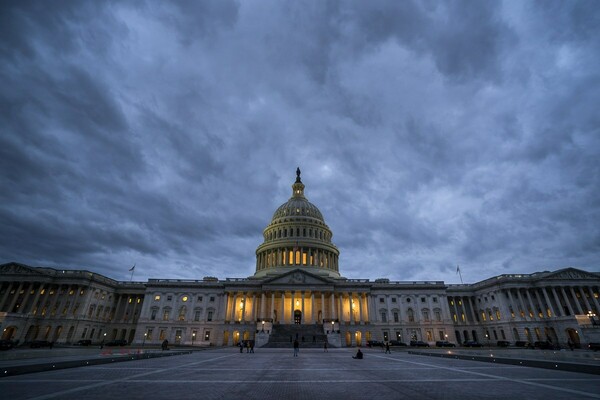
(132, 271)
(459, 274)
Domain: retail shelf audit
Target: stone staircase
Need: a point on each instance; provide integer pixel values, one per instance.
(282, 336)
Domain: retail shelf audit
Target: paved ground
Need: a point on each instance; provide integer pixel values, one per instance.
(276, 374)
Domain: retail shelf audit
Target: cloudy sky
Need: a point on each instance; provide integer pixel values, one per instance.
(430, 134)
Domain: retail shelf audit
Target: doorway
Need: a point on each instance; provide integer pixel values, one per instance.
(297, 317)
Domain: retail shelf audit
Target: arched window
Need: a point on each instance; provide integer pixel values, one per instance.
(166, 313)
(411, 315)
(425, 313)
(182, 311)
(383, 315)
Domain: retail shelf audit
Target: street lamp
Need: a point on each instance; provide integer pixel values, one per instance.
(487, 337)
(193, 338)
(332, 326)
(263, 326)
(144, 341)
(591, 316)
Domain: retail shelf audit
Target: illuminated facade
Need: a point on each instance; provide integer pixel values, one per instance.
(297, 287)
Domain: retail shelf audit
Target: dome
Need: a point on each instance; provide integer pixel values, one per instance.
(297, 237)
(298, 207)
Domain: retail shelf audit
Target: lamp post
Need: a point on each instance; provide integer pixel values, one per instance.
(591, 316)
(487, 337)
(144, 341)
(332, 326)
(263, 326)
(193, 338)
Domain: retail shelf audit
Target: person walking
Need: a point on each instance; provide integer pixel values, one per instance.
(252, 346)
(387, 348)
(241, 344)
(325, 348)
(296, 348)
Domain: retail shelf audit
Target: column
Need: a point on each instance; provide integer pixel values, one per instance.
(30, 287)
(549, 302)
(254, 308)
(244, 301)
(37, 298)
(511, 299)
(232, 318)
(272, 306)
(5, 297)
(262, 306)
(522, 304)
(595, 300)
(561, 311)
(282, 305)
(533, 310)
(566, 299)
(577, 302)
(455, 309)
(341, 307)
(312, 307)
(302, 319)
(351, 307)
(587, 303)
(322, 307)
(333, 313)
(16, 297)
(360, 308)
(389, 311)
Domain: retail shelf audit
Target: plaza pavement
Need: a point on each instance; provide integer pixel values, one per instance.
(224, 373)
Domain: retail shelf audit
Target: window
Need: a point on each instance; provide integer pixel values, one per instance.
(383, 316)
(166, 312)
(408, 300)
(438, 316)
(197, 315)
(393, 299)
(396, 318)
(411, 315)
(212, 298)
(483, 317)
(426, 315)
(381, 300)
(169, 298)
(206, 335)
(210, 316)
(497, 314)
(149, 334)
(422, 299)
(435, 299)
(199, 298)
(184, 299)
(153, 314)
(182, 311)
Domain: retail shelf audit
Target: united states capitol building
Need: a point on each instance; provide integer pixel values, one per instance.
(297, 289)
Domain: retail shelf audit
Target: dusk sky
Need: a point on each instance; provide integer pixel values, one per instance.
(429, 134)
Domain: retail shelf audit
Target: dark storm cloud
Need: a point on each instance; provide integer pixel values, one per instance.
(429, 134)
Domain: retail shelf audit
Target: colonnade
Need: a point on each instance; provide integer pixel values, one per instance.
(68, 300)
(293, 256)
(532, 303)
(309, 306)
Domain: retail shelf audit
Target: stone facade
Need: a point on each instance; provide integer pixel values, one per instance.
(297, 282)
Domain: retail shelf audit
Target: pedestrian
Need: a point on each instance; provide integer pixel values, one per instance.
(247, 346)
(571, 344)
(359, 355)
(325, 348)
(241, 344)
(387, 348)
(296, 348)
(252, 346)
(165, 344)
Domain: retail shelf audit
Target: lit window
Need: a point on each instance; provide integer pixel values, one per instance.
(157, 297)
(184, 299)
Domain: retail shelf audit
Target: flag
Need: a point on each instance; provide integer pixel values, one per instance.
(132, 268)
(457, 269)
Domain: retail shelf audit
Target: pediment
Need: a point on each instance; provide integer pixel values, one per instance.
(18, 269)
(571, 273)
(297, 277)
